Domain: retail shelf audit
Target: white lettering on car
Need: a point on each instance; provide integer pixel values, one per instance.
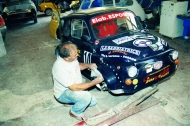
(104, 17)
(127, 57)
(129, 50)
(143, 37)
(122, 40)
(142, 43)
(87, 57)
(158, 45)
(125, 39)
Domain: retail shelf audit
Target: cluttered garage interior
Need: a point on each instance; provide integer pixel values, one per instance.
(94, 62)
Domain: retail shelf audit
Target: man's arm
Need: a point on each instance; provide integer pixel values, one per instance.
(84, 86)
(85, 65)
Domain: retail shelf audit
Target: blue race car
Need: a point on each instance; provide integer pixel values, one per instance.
(128, 57)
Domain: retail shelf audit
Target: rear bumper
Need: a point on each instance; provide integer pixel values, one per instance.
(20, 16)
(3, 30)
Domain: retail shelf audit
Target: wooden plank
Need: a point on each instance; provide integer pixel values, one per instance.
(128, 112)
(132, 101)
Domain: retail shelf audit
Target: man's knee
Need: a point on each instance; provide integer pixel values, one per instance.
(87, 96)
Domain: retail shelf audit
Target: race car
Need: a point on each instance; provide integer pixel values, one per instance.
(128, 57)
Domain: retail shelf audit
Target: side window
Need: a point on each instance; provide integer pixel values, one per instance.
(108, 2)
(49, 0)
(129, 2)
(66, 27)
(79, 28)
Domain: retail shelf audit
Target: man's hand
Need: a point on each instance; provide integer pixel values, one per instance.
(98, 80)
(92, 66)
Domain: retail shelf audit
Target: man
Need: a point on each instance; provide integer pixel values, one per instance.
(68, 85)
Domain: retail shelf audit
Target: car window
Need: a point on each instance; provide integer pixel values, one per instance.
(17, 2)
(111, 2)
(114, 23)
(49, 0)
(66, 27)
(129, 2)
(79, 28)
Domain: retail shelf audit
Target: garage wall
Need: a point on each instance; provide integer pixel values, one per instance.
(2, 4)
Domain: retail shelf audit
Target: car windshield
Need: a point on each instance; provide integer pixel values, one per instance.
(111, 24)
(17, 2)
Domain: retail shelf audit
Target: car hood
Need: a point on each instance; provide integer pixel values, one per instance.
(131, 48)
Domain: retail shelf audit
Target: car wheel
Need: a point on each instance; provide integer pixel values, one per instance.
(3, 38)
(56, 52)
(35, 19)
(7, 23)
(48, 12)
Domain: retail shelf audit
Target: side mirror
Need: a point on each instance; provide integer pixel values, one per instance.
(85, 38)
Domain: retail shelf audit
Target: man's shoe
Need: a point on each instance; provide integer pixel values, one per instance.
(76, 117)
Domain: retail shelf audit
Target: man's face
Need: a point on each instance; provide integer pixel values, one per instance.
(73, 55)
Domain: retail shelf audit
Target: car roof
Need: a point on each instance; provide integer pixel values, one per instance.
(98, 10)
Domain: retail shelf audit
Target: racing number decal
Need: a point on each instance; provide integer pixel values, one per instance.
(87, 57)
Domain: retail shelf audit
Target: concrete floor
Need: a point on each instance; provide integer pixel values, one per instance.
(26, 95)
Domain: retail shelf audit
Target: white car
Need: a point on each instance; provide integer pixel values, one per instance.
(19, 9)
(132, 5)
(3, 28)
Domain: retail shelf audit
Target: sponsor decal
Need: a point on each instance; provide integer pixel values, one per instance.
(162, 41)
(122, 40)
(130, 38)
(149, 70)
(110, 55)
(142, 43)
(130, 58)
(158, 45)
(123, 49)
(148, 36)
(87, 57)
(113, 56)
(103, 55)
(161, 73)
(78, 51)
(110, 16)
(117, 51)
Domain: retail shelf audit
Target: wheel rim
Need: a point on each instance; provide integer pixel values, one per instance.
(48, 12)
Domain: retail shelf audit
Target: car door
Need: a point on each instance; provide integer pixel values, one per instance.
(54, 23)
(79, 31)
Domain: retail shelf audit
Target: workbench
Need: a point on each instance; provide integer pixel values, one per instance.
(186, 24)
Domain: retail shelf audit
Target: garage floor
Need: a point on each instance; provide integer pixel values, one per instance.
(26, 95)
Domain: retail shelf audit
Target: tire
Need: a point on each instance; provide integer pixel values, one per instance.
(3, 38)
(58, 34)
(7, 23)
(56, 52)
(48, 12)
(35, 20)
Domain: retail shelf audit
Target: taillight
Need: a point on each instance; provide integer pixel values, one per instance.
(2, 22)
